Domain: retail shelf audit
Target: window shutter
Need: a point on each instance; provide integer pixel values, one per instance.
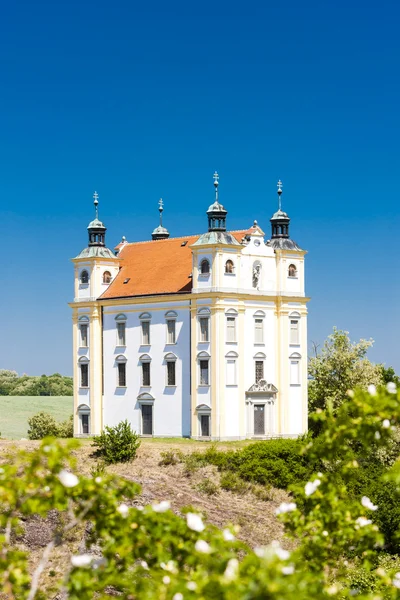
(294, 331)
(294, 372)
(258, 331)
(231, 329)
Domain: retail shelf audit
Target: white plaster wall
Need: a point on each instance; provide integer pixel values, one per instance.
(295, 411)
(232, 401)
(202, 281)
(171, 408)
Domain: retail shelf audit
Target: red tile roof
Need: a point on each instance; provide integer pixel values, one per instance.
(155, 267)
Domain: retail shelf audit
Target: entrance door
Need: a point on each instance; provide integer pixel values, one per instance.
(259, 419)
(147, 419)
(85, 423)
(205, 425)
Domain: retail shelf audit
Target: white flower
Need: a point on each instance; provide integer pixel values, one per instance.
(311, 486)
(232, 568)
(202, 546)
(228, 536)
(391, 387)
(386, 424)
(166, 579)
(377, 435)
(144, 565)
(285, 507)
(191, 585)
(98, 480)
(69, 480)
(46, 488)
(350, 393)
(372, 390)
(362, 522)
(177, 596)
(325, 533)
(169, 566)
(1, 470)
(396, 580)
(46, 448)
(366, 502)
(81, 560)
(194, 522)
(289, 570)
(261, 551)
(123, 510)
(332, 590)
(162, 506)
(282, 554)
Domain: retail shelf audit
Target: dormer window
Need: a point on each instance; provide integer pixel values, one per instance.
(229, 267)
(292, 271)
(204, 267)
(84, 277)
(106, 277)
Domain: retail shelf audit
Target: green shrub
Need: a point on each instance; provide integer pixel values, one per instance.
(117, 444)
(42, 425)
(98, 469)
(208, 487)
(263, 492)
(232, 483)
(170, 457)
(192, 463)
(66, 428)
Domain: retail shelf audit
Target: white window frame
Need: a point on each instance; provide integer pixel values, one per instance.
(145, 318)
(84, 361)
(294, 333)
(231, 358)
(145, 358)
(259, 316)
(231, 314)
(204, 313)
(170, 358)
(171, 316)
(203, 356)
(83, 321)
(121, 360)
(295, 376)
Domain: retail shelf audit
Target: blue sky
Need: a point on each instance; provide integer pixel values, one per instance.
(142, 100)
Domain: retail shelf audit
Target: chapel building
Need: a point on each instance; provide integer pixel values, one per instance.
(197, 336)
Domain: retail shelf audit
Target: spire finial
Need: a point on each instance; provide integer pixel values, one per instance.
(161, 208)
(279, 192)
(96, 204)
(216, 184)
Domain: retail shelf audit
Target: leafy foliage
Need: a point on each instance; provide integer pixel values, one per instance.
(44, 425)
(117, 444)
(151, 553)
(340, 366)
(45, 385)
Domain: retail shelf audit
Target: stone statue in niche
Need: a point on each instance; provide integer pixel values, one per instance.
(256, 275)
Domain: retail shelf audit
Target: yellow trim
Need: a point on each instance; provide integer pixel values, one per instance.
(194, 369)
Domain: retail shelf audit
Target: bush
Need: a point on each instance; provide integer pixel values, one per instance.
(44, 425)
(170, 457)
(117, 444)
(232, 483)
(208, 487)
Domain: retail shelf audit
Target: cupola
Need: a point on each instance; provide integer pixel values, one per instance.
(280, 220)
(97, 230)
(216, 212)
(160, 233)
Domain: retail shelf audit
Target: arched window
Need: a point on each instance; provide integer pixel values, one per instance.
(229, 266)
(84, 372)
(84, 419)
(84, 332)
(106, 277)
(204, 324)
(203, 359)
(292, 271)
(170, 359)
(204, 267)
(121, 329)
(145, 327)
(84, 277)
(145, 361)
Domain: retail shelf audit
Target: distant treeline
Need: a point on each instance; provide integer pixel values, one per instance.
(11, 384)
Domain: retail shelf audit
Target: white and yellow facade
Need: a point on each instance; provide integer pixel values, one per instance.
(214, 342)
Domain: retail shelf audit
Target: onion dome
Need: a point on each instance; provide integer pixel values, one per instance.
(160, 232)
(280, 220)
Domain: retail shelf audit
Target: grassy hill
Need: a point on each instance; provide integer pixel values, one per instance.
(16, 410)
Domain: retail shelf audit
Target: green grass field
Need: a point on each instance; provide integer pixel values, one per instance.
(16, 410)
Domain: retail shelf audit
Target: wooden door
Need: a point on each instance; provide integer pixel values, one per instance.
(259, 419)
(205, 425)
(147, 419)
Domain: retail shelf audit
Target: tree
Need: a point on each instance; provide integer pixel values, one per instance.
(340, 366)
(8, 379)
(389, 375)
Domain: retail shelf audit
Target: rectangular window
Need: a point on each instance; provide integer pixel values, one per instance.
(295, 372)
(121, 374)
(146, 374)
(231, 371)
(204, 321)
(171, 380)
(294, 331)
(84, 336)
(231, 329)
(259, 370)
(145, 333)
(204, 375)
(171, 331)
(258, 331)
(84, 375)
(121, 334)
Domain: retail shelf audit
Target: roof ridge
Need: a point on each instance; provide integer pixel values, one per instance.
(181, 237)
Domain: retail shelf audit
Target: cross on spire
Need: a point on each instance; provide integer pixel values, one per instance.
(96, 203)
(161, 208)
(216, 184)
(279, 192)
